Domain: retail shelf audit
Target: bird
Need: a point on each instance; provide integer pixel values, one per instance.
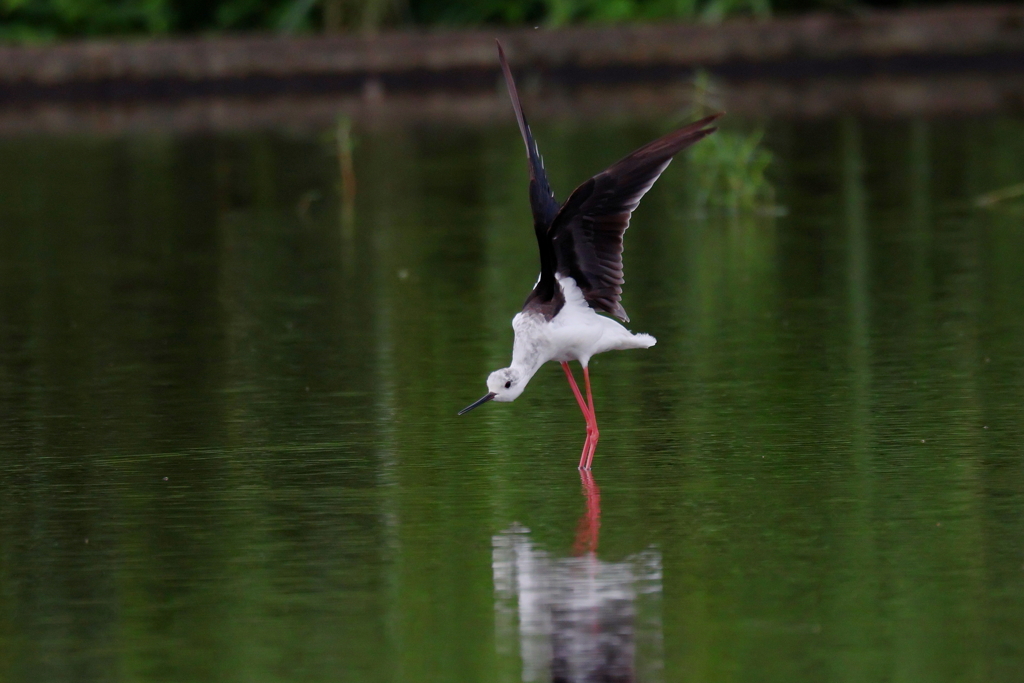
(575, 307)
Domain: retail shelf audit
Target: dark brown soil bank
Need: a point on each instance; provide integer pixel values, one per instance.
(955, 59)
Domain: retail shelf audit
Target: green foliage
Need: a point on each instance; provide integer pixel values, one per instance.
(730, 166)
(564, 11)
(730, 171)
(296, 15)
(560, 12)
(42, 19)
(33, 20)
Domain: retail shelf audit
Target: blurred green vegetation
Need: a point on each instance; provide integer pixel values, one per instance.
(728, 170)
(41, 20)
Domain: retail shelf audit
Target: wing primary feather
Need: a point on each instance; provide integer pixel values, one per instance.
(517, 105)
(587, 232)
(542, 199)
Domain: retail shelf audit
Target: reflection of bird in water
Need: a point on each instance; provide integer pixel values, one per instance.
(580, 267)
(580, 619)
(590, 523)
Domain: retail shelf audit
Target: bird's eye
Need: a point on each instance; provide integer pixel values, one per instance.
(508, 384)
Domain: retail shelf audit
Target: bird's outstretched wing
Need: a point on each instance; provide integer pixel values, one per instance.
(542, 199)
(586, 234)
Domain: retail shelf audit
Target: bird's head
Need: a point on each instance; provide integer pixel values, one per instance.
(506, 384)
(503, 386)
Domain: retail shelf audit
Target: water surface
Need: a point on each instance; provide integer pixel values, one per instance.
(229, 449)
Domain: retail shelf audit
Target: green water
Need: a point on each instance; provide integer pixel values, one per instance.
(229, 448)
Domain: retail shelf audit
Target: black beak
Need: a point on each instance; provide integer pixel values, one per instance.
(483, 399)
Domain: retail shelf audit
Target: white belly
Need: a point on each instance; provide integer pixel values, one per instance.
(578, 337)
(575, 333)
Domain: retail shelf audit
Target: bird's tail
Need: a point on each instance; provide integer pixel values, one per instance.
(643, 341)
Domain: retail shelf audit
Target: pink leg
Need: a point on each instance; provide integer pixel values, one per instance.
(583, 408)
(592, 432)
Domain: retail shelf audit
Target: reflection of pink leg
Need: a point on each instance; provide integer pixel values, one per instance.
(583, 407)
(590, 522)
(592, 433)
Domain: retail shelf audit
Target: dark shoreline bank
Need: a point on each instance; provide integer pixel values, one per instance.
(947, 60)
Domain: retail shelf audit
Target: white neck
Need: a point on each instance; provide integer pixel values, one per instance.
(528, 351)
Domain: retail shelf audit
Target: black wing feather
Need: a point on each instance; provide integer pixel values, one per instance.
(586, 234)
(542, 199)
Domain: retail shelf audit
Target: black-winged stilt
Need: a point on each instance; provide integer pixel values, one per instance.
(580, 267)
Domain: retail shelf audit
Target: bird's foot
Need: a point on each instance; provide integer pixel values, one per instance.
(592, 443)
(586, 451)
